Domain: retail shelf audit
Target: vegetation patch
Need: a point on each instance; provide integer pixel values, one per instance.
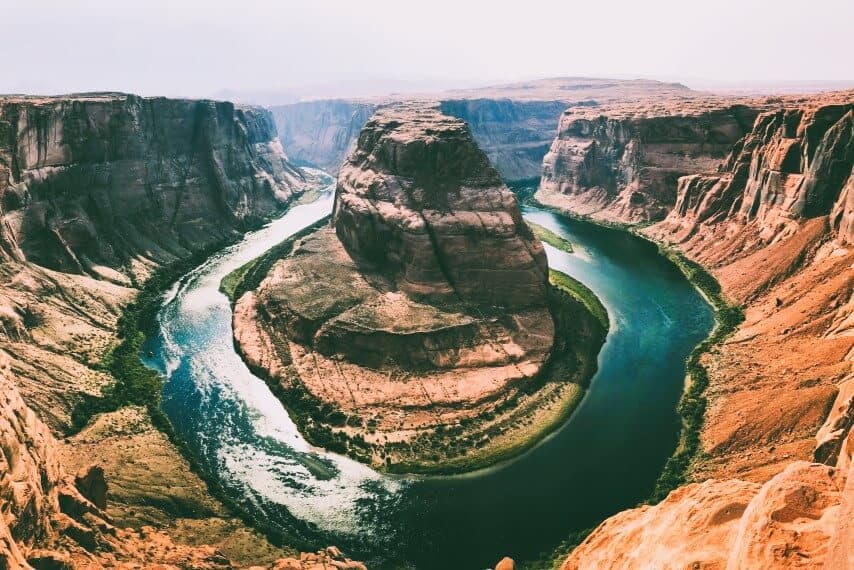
(545, 235)
(582, 293)
(136, 384)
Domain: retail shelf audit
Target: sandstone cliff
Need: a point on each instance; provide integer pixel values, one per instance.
(322, 133)
(514, 124)
(421, 323)
(514, 134)
(773, 225)
(103, 180)
(96, 191)
(622, 163)
(420, 200)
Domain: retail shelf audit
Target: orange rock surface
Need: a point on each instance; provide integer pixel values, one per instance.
(773, 225)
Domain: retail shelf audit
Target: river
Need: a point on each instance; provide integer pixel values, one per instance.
(604, 459)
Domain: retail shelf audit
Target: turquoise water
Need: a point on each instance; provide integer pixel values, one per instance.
(604, 459)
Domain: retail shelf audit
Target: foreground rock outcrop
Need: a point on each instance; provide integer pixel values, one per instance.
(775, 478)
(416, 319)
(47, 521)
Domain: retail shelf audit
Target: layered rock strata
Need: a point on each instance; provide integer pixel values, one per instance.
(97, 191)
(773, 225)
(94, 184)
(425, 305)
(622, 163)
(322, 133)
(514, 124)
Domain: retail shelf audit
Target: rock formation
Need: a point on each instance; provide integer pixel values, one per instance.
(90, 183)
(425, 306)
(773, 225)
(421, 202)
(514, 124)
(622, 162)
(792, 166)
(789, 522)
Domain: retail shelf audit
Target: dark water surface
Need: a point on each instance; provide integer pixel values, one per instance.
(604, 459)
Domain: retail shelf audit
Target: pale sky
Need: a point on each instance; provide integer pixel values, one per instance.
(197, 48)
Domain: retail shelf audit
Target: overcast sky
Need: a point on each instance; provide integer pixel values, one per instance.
(193, 48)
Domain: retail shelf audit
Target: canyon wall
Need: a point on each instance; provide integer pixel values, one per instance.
(622, 162)
(514, 134)
(93, 181)
(773, 486)
(513, 123)
(321, 133)
(97, 191)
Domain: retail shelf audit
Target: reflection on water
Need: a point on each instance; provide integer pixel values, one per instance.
(604, 459)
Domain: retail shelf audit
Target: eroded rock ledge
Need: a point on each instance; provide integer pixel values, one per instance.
(419, 325)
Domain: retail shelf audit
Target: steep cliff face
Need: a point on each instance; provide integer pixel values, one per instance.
(94, 181)
(623, 163)
(96, 191)
(795, 164)
(421, 200)
(514, 134)
(773, 225)
(321, 133)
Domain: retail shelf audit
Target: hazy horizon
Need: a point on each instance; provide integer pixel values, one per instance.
(292, 50)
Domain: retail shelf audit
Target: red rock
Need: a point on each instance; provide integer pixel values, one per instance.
(419, 199)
